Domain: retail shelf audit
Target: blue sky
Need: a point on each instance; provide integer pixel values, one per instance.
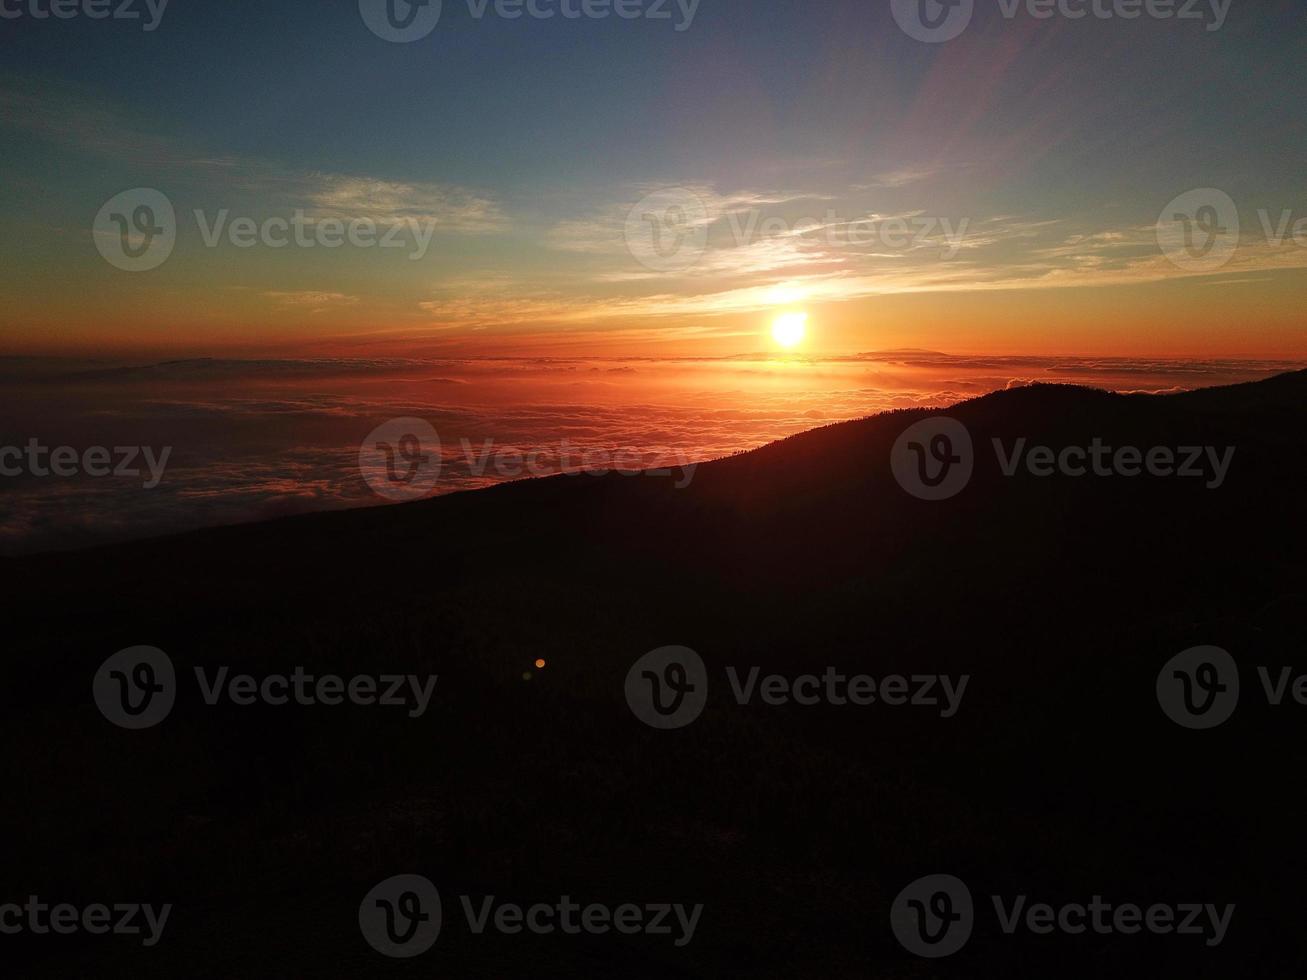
(519, 103)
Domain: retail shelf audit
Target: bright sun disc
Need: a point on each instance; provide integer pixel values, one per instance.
(788, 329)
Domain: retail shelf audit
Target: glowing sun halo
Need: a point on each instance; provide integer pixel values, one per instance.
(788, 329)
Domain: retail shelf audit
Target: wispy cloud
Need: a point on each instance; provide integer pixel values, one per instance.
(313, 302)
(796, 242)
(760, 244)
(453, 209)
(97, 129)
(900, 178)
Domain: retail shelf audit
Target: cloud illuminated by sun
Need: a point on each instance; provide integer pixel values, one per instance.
(789, 329)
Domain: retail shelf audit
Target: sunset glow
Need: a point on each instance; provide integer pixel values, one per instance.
(770, 249)
(972, 223)
(789, 329)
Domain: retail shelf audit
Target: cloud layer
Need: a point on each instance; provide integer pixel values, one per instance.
(258, 439)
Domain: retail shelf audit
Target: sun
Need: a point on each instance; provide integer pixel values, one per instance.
(788, 329)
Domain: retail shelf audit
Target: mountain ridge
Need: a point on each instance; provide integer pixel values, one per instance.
(1038, 396)
(1060, 598)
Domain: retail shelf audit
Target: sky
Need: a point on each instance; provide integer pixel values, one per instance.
(655, 186)
(252, 242)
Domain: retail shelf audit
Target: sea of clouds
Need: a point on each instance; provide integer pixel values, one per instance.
(257, 439)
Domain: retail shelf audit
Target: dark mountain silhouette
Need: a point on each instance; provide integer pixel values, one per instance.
(1059, 778)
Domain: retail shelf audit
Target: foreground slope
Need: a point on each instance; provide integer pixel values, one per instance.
(1060, 597)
